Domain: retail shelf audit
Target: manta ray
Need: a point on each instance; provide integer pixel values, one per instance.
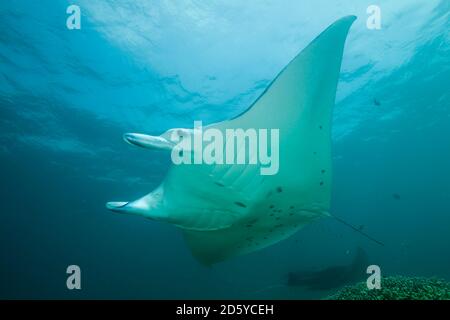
(225, 210)
(332, 277)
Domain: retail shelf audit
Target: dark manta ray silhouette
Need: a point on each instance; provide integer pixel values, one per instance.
(331, 277)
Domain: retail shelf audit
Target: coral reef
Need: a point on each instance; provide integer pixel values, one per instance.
(397, 288)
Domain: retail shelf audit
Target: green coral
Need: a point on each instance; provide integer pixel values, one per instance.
(397, 288)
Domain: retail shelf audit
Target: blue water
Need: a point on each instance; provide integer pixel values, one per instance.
(67, 96)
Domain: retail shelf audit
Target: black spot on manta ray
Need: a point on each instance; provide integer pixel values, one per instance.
(323, 171)
(271, 206)
(396, 196)
(279, 189)
(320, 127)
(321, 183)
(240, 204)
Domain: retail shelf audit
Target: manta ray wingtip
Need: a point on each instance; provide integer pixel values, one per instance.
(349, 18)
(346, 20)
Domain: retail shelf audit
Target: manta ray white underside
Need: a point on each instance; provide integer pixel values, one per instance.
(225, 210)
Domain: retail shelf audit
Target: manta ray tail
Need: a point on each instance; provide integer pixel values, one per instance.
(358, 230)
